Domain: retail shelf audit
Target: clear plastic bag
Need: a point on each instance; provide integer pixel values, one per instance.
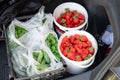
(31, 36)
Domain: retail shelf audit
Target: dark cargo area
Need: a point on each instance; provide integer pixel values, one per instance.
(25, 9)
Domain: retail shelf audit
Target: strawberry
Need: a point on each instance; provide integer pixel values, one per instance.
(82, 21)
(69, 25)
(64, 39)
(71, 19)
(81, 17)
(79, 50)
(67, 17)
(77, 36)
(88, 56)
(72, 49)
(75, 46)
(77, 41)
(84, 56)
(59, 20)
(71, 56)
(80, 45)
(76, 21)
(78, 58)
(74, 12)
(65, 52)
(63, 21)
(83, 38)
(89, 43)
(91, 50)
(67, 10)
(68, 22)
(72, 38)
(67, 43)
(61, 48)
(62, 15)
(84, 44)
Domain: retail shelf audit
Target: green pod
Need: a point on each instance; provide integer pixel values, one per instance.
(40, 67)
(46, 58)
(53, 48)
(43, 61)
(35, 55)
(58, 58)
(40, 56)
(19, 31)
(53, 41)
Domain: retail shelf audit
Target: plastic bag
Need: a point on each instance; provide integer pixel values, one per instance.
(28, 38)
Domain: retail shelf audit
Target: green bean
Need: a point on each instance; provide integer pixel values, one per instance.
(52, 43)
(19, 31)
(43, 61)
(46, 58)
(39, 67)
(40, 56)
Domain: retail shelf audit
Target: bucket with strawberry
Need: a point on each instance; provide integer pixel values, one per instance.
(70, 16)
(78, 49)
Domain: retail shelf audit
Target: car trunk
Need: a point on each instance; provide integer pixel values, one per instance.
(100, 13)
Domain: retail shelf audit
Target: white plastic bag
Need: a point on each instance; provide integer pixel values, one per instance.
(33, 40)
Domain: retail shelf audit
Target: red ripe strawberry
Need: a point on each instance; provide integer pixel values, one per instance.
(68, 22)
(77, 41)
(61, 48)
(77, 36)
(81, 16)
(59, 20)
(67, 17)
(71, 56)
(89, 43)
(72, 49)
(74, 12)
(80, 45)
(82, 21)
(86, 51)
(65, 52)
(91, 50)
(84, 56)
(79, 50)
(76, 25)
(67, 44)
(63, 15)
(64, 39)
(78, 58)
(76, 21)
(71, 19)
(75, 46)
(69, 25)
(84, 44)
(83, 38)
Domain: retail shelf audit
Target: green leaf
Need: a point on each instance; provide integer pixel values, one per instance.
(63, 21)
(66, 9)
(89, 55)
(76, 16)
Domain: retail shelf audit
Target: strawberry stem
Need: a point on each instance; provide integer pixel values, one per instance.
(66, 9)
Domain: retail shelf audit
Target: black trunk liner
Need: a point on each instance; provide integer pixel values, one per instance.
(97, 25)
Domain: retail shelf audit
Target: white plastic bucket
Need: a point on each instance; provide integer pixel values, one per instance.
(77, 69)
(72, 6)
(89, 36)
